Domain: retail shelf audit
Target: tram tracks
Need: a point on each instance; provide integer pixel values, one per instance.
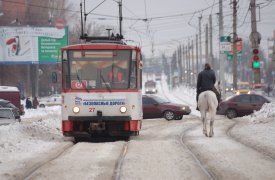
(204, 169)
(197, 156)
(30, 171)
(118, 168)
(208, 173)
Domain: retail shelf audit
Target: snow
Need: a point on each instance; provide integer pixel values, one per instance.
(38, 138)
(37, 134)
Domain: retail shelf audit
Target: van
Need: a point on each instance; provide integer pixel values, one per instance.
(12, 94)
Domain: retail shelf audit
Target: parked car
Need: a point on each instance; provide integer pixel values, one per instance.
(7, 104)
(241, 105)
(12, 94)
(52, 100)
(8, 116)
(156, 107)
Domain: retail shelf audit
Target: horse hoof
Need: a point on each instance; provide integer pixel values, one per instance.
(211, 134)
(206, 134)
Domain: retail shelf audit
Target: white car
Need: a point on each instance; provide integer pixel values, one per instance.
(8, 116)
(52, 100)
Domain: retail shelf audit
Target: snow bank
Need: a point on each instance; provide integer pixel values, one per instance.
(39, 128)
(264, 115)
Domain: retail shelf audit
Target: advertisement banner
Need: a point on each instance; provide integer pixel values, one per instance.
(32, 44)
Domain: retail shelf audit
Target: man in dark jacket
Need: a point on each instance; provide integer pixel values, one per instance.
(206, 81)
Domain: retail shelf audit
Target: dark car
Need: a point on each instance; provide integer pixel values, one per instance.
(156, 107)
(7, 104)
(241, 105)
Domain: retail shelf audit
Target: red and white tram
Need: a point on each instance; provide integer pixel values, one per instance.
(101, 89)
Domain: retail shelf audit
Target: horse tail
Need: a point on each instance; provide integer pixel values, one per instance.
(211, 102)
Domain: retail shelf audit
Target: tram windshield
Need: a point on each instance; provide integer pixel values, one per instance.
(99, 69)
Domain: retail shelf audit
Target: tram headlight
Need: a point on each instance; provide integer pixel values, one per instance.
(76, 109)
(123, 109)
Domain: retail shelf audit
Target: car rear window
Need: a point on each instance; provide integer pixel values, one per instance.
(5, 113)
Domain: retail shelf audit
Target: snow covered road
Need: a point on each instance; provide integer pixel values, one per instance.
(157, 153)
(242, 148)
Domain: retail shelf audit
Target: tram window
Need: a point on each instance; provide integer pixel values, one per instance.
(65, 69)
(133, 79)
(96, 68)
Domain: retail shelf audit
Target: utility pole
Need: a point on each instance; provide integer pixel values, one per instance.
(255, 39)
(200, 40)
(120, 17)
(197, 56)
(183, 65)
(193, 66)
(234, 67)
(211, 59)
(180, 64)
(206, 44)
(222, 55)
(188, 63)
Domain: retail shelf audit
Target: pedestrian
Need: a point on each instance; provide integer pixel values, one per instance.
(35, 103)
(206, 81)
(28, 103)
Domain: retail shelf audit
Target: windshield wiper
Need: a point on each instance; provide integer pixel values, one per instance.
(108, 87)
(78, 78)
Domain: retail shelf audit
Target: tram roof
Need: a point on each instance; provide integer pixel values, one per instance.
(105, 46)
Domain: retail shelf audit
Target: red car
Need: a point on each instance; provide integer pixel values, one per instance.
(241, 105)
(156, 107)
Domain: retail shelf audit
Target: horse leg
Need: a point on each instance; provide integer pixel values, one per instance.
(211, 133)
(204, 121)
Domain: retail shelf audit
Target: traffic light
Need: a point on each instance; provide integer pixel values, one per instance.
(256, 59)
(54, 77)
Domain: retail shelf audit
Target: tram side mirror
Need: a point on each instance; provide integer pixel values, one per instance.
(140, 65)
(54, 77)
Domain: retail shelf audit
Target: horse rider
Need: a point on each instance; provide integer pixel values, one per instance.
(206, 81)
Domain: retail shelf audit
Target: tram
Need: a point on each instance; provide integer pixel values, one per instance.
(101, 89)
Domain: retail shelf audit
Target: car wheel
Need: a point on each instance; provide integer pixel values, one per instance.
(169, 115)
(231, 113)
(42, 105)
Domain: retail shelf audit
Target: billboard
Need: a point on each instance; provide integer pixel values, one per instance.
(32, 44)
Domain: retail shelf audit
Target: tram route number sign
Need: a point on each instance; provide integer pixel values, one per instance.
(76, 84)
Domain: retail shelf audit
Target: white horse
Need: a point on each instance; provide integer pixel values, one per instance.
(208, 103)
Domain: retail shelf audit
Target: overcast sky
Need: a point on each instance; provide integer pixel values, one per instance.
(167, 23)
